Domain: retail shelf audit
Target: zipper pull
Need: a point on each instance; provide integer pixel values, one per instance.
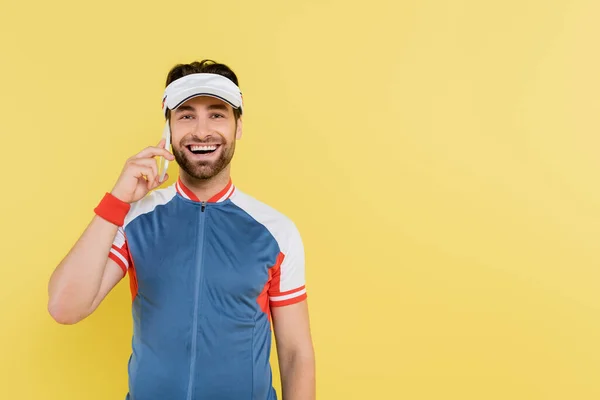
(203, 205)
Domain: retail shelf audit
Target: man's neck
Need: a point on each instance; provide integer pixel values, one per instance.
(204, 189)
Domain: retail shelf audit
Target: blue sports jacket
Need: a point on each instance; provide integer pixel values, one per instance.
(203, 276)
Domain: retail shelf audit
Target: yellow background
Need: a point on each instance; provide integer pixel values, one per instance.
(439, 157)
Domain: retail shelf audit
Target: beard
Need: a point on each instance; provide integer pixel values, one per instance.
(204, 169)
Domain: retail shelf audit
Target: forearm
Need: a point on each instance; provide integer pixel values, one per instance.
(298, 376)
(77, 279)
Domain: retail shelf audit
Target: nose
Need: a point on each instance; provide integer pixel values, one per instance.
(202, 128)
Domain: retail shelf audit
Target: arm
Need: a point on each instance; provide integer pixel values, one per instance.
(295, 351)
(85, 275)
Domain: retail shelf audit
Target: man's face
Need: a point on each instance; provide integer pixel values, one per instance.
(203, 134)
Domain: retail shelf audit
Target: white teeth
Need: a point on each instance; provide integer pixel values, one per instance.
(203, 148)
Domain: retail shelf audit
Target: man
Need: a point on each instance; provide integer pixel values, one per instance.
(209, 266)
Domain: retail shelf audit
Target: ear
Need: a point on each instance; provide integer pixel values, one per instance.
(238, 130)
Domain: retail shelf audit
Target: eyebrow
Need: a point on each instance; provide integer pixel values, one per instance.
(219, 106)
(183, 108)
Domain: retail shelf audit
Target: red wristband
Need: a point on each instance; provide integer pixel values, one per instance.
(112, 209)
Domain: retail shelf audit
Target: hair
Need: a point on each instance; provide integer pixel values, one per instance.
(203, 67)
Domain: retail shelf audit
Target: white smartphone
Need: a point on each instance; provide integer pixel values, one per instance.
(163, 163)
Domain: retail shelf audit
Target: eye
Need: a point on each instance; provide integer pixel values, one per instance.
(217, 115)
(186, 116)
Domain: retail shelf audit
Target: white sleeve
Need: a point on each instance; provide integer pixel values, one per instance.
(288, 282)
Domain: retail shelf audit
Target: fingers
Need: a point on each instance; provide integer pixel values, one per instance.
(142, 171)
(156, 183)
(153, 151)
(147, 162)
(147, 169)
(143, 166)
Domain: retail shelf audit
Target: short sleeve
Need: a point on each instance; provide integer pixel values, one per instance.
(119, 251)
(288, 285)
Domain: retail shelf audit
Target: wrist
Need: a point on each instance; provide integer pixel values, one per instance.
(117, 195)
(112, 209)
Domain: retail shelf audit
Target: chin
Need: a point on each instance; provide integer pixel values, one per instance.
(204, 172)
(201, 170)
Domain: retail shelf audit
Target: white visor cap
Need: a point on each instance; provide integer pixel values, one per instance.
(194, 85)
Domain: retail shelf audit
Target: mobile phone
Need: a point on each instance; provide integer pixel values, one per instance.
(163, 163)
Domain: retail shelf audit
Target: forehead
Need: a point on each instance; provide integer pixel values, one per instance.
(200, 102)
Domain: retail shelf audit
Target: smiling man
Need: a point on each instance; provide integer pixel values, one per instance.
(210, 267)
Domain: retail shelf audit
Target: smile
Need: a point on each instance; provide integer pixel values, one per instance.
(202, 149)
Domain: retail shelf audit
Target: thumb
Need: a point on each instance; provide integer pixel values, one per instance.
(157, 182)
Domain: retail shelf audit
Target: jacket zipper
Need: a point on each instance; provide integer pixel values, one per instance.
(197, 292)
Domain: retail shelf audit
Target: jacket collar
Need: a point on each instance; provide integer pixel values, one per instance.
(220, 197)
